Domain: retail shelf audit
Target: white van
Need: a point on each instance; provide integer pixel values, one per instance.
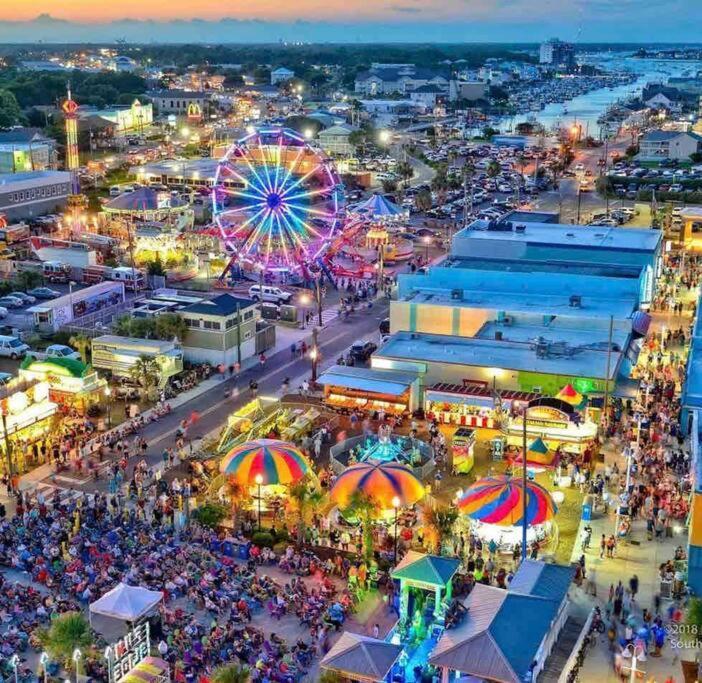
(275, 295)
(115, 191)
(12, 347)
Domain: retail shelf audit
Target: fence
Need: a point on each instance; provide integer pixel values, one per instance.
(94, 324)
(573, 664)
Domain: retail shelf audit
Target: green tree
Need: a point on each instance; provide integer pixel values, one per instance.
(305, 498)
(82, 344)
(10, 114)
(493, 169)
(440, 521)
(171, 326)
(67, 632)
(210, 514)
(366, 509)
(147, 373)
(28, 279)
(231, 673)
(329, 677)
(423, 200)
(389, 185)
(405, 171)
(155, 267)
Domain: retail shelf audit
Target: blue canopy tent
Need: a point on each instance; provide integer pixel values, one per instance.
(379, 207)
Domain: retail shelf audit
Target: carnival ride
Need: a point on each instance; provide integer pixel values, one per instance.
(278, 204)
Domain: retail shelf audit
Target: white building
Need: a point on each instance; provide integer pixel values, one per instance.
(178, 102)
(557, 53)
(280, 75)
(427, 95)
(335, 140)
(123, 63)
(658, 145)
(24, 195)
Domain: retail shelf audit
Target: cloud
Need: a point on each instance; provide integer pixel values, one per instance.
(405, 9)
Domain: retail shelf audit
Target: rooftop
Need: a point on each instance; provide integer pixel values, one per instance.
(561, 235)
(569, 360)
(222, 305)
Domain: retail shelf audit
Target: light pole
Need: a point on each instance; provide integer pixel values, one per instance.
(314, 355)
(318, 294)
(396, 506)
(259, 480)
(427, 241)
(304, 302)
(14, 663)
(108, 395)
(525, 497)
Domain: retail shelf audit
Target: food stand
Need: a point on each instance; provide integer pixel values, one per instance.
(472, 405)
(462, 450)
(556, 422)
(368, 389)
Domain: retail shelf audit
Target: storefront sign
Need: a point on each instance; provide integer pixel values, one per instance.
(126, 653)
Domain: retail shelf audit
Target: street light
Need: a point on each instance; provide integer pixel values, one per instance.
(259, 480)
(44, 661)
(14, 663)
(185, 132)
(384, 137)
(108, 395)
(427, 241)
(396, 505)
(76, 657)
(305, 301)
(309, 133)
(314, 355)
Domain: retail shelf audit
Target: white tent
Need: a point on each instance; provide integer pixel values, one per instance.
(127, 603)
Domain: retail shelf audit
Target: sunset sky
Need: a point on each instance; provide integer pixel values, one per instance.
(351, 20)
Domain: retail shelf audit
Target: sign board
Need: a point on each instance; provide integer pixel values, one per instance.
(127, 652)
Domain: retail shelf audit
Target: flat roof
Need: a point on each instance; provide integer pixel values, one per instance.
(583, 361)
(77, 296)
(373, 380)
(517, 302)
(560, 234)
(555, 333)
(151, 344)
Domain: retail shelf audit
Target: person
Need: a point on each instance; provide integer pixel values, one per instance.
(634, 586)
(376, 630)
(603, 546)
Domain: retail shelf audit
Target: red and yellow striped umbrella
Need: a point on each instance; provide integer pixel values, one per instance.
(500, 500)
(379, 481)
(278, 462)
(570, 395)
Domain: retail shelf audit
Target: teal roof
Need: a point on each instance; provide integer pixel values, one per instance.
(431, 569)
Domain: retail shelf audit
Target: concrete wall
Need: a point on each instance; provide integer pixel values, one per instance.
(215, 357)
(406, 316)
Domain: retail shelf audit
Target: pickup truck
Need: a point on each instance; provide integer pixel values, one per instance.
(54, 351)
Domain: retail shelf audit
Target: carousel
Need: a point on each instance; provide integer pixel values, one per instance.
(265, 469)
(495, 506)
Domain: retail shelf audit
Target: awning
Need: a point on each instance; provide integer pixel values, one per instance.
(441, 397)
(127, 603)
(367, 379)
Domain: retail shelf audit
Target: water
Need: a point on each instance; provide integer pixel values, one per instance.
(586, 109)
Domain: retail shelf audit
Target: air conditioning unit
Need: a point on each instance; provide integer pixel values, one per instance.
(576, 301)
(521, 229)
(498, 335)
(507, 320)
(457, 294)
(541, 349)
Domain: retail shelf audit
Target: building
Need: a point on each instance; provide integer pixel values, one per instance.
(336, 140)
(524, 307)
(659, 145)
(280, 75)
(487, 646)
(179, 102)
(123, 118)
(557, 54)
(26, 149)
(224, 329)
(427, 95)
(467, 90)
(384, 79)
(33, 193)
(123, 63)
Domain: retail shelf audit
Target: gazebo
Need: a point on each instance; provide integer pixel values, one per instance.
(360, 658)
(145, 204)
(419, 574)
(378, 208)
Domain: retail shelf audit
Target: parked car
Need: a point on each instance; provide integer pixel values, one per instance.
(26, 298)
(11, 301)
(3, 312)
(362, 351)
(44, 293)
(55, 351)
(12, 347)
(270, 293)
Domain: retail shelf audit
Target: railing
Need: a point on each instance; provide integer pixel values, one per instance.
(572, 664)
(105, 316)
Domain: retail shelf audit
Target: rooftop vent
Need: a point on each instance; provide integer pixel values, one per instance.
(570, 234)
(576, 301)
(521, 229)
(498, 335)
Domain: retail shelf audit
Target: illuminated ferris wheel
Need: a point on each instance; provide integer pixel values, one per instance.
(277, 201)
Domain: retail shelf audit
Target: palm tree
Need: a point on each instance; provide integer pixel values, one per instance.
(404, 171)
(146, 372)
(305, 498)
(170, 326)
(366, 509)
(82, 344)
(68, 631)
(439, 521)
(29, 279)
(231, 673)
(493, 169)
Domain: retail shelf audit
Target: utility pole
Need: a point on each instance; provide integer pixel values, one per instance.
(318, 293)
(238, 333)
(314, 355)
(609, 362)
(8, 447)
(525, 497)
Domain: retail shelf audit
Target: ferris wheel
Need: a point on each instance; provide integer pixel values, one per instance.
(277, 201)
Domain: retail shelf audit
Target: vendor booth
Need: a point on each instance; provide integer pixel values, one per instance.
(126, 603)
(71, 382)
(472, 405)
(425, 591)
(558, 423)
(350, 388)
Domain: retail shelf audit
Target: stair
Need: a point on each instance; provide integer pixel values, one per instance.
(553, 668)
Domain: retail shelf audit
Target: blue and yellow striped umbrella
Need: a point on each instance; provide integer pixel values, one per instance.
(379, 481)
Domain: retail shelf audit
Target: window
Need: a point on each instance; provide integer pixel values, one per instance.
(211, 325)
(190, 322)
(248, 315)
(231, 322)
(247, 335)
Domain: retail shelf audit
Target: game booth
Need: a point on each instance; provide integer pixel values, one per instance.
(348, 388)
(494, 508)
(472, 405)
(562, 422)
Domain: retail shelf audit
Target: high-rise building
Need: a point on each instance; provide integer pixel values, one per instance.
(557, 53)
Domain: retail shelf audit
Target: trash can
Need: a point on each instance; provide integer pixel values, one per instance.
(228, 549)
(244, 549)
(587, 509)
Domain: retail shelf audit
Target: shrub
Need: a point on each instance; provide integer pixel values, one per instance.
(210, 514)
(263, 539)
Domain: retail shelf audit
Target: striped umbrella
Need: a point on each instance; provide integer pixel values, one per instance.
(538, 455)
(570, 395)
(278, 462)
(500, 500)
(379, 481)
